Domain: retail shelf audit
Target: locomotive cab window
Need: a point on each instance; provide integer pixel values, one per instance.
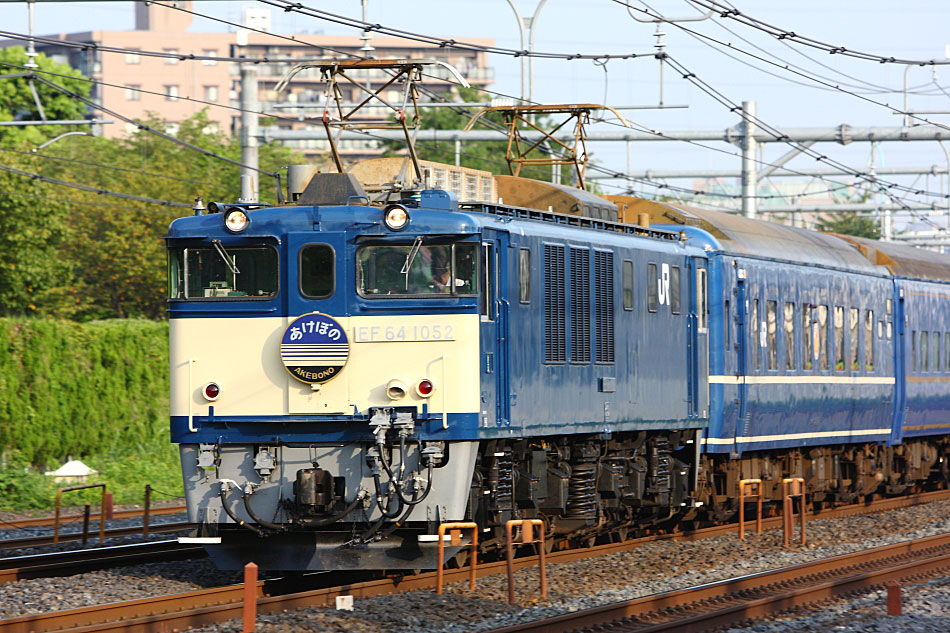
(417, 270)
(222, 273)
(317, 273)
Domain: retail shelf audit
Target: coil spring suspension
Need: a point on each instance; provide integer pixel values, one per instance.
(582, 490)
(504, 485)
(661, 465)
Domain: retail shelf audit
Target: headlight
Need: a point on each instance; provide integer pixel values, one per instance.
(396, 389)
(236, 220)
(396, 217)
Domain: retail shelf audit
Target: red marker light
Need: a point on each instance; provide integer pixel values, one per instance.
(212, 391)
(424, 388)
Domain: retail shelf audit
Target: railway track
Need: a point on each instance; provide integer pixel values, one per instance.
(77, 561)
(198, 608)
(42, 541)
(738, 600)
(72, 518)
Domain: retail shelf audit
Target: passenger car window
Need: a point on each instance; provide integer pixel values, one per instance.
(756, 355)
(771, 316)
(853, 315)
(869, 340)
(823, 341)
(839, 338)
(808, 334)
(316, 271)
(789, 322)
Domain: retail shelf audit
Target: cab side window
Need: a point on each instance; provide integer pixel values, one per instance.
(317, 271)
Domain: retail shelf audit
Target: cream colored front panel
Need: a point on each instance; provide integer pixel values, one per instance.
(243, 357)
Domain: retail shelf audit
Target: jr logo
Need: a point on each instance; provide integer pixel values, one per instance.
(663, 284)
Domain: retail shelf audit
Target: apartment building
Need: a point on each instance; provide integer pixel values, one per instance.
(135, 84)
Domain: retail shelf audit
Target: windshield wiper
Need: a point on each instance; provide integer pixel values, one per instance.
(224, 255)
(410, 257)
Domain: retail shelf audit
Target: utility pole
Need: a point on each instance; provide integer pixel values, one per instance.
(249, 133)
(748, 144)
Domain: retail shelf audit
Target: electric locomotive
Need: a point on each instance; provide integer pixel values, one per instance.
(347, 375)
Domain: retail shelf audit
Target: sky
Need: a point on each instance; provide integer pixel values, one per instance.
(914, 29)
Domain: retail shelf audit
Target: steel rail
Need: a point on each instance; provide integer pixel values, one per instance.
(210, 606)
(41, 541)
(736, 600)
(118, 514)
(73, 562)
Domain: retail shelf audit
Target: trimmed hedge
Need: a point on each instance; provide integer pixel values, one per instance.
(84, 390)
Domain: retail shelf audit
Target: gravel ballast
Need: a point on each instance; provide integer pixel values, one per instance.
(655, 567)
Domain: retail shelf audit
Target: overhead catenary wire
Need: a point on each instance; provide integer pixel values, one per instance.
(91, 189)
(786, 35)
(115, 168)
(878, 89)
(441, 42)
(602, 57)
(105, 205)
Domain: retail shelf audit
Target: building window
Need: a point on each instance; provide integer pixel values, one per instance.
(132, 92)
(171, 93)
(171, 61)
(132, 57)
(210, 52)
(211, 93)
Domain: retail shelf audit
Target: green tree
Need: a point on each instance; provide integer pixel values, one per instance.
(34, 273)
(17, 102)
(851, 223)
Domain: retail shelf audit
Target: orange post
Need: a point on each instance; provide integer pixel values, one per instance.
(108, 510)
(527, 537)
(792, 487)
(249, 620)
(758, 506)
(59, 502)
(456, 538)
(894, 606)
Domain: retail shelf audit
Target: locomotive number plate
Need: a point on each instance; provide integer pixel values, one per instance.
(402, 333)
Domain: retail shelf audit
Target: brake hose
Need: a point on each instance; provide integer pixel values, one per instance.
(224, 502)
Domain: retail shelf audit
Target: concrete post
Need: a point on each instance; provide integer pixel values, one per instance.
(249, 133)
(749, 174)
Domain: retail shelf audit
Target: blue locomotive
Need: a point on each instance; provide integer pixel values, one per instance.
(346, 375)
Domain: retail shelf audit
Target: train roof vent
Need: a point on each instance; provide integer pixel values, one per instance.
(331, 189)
